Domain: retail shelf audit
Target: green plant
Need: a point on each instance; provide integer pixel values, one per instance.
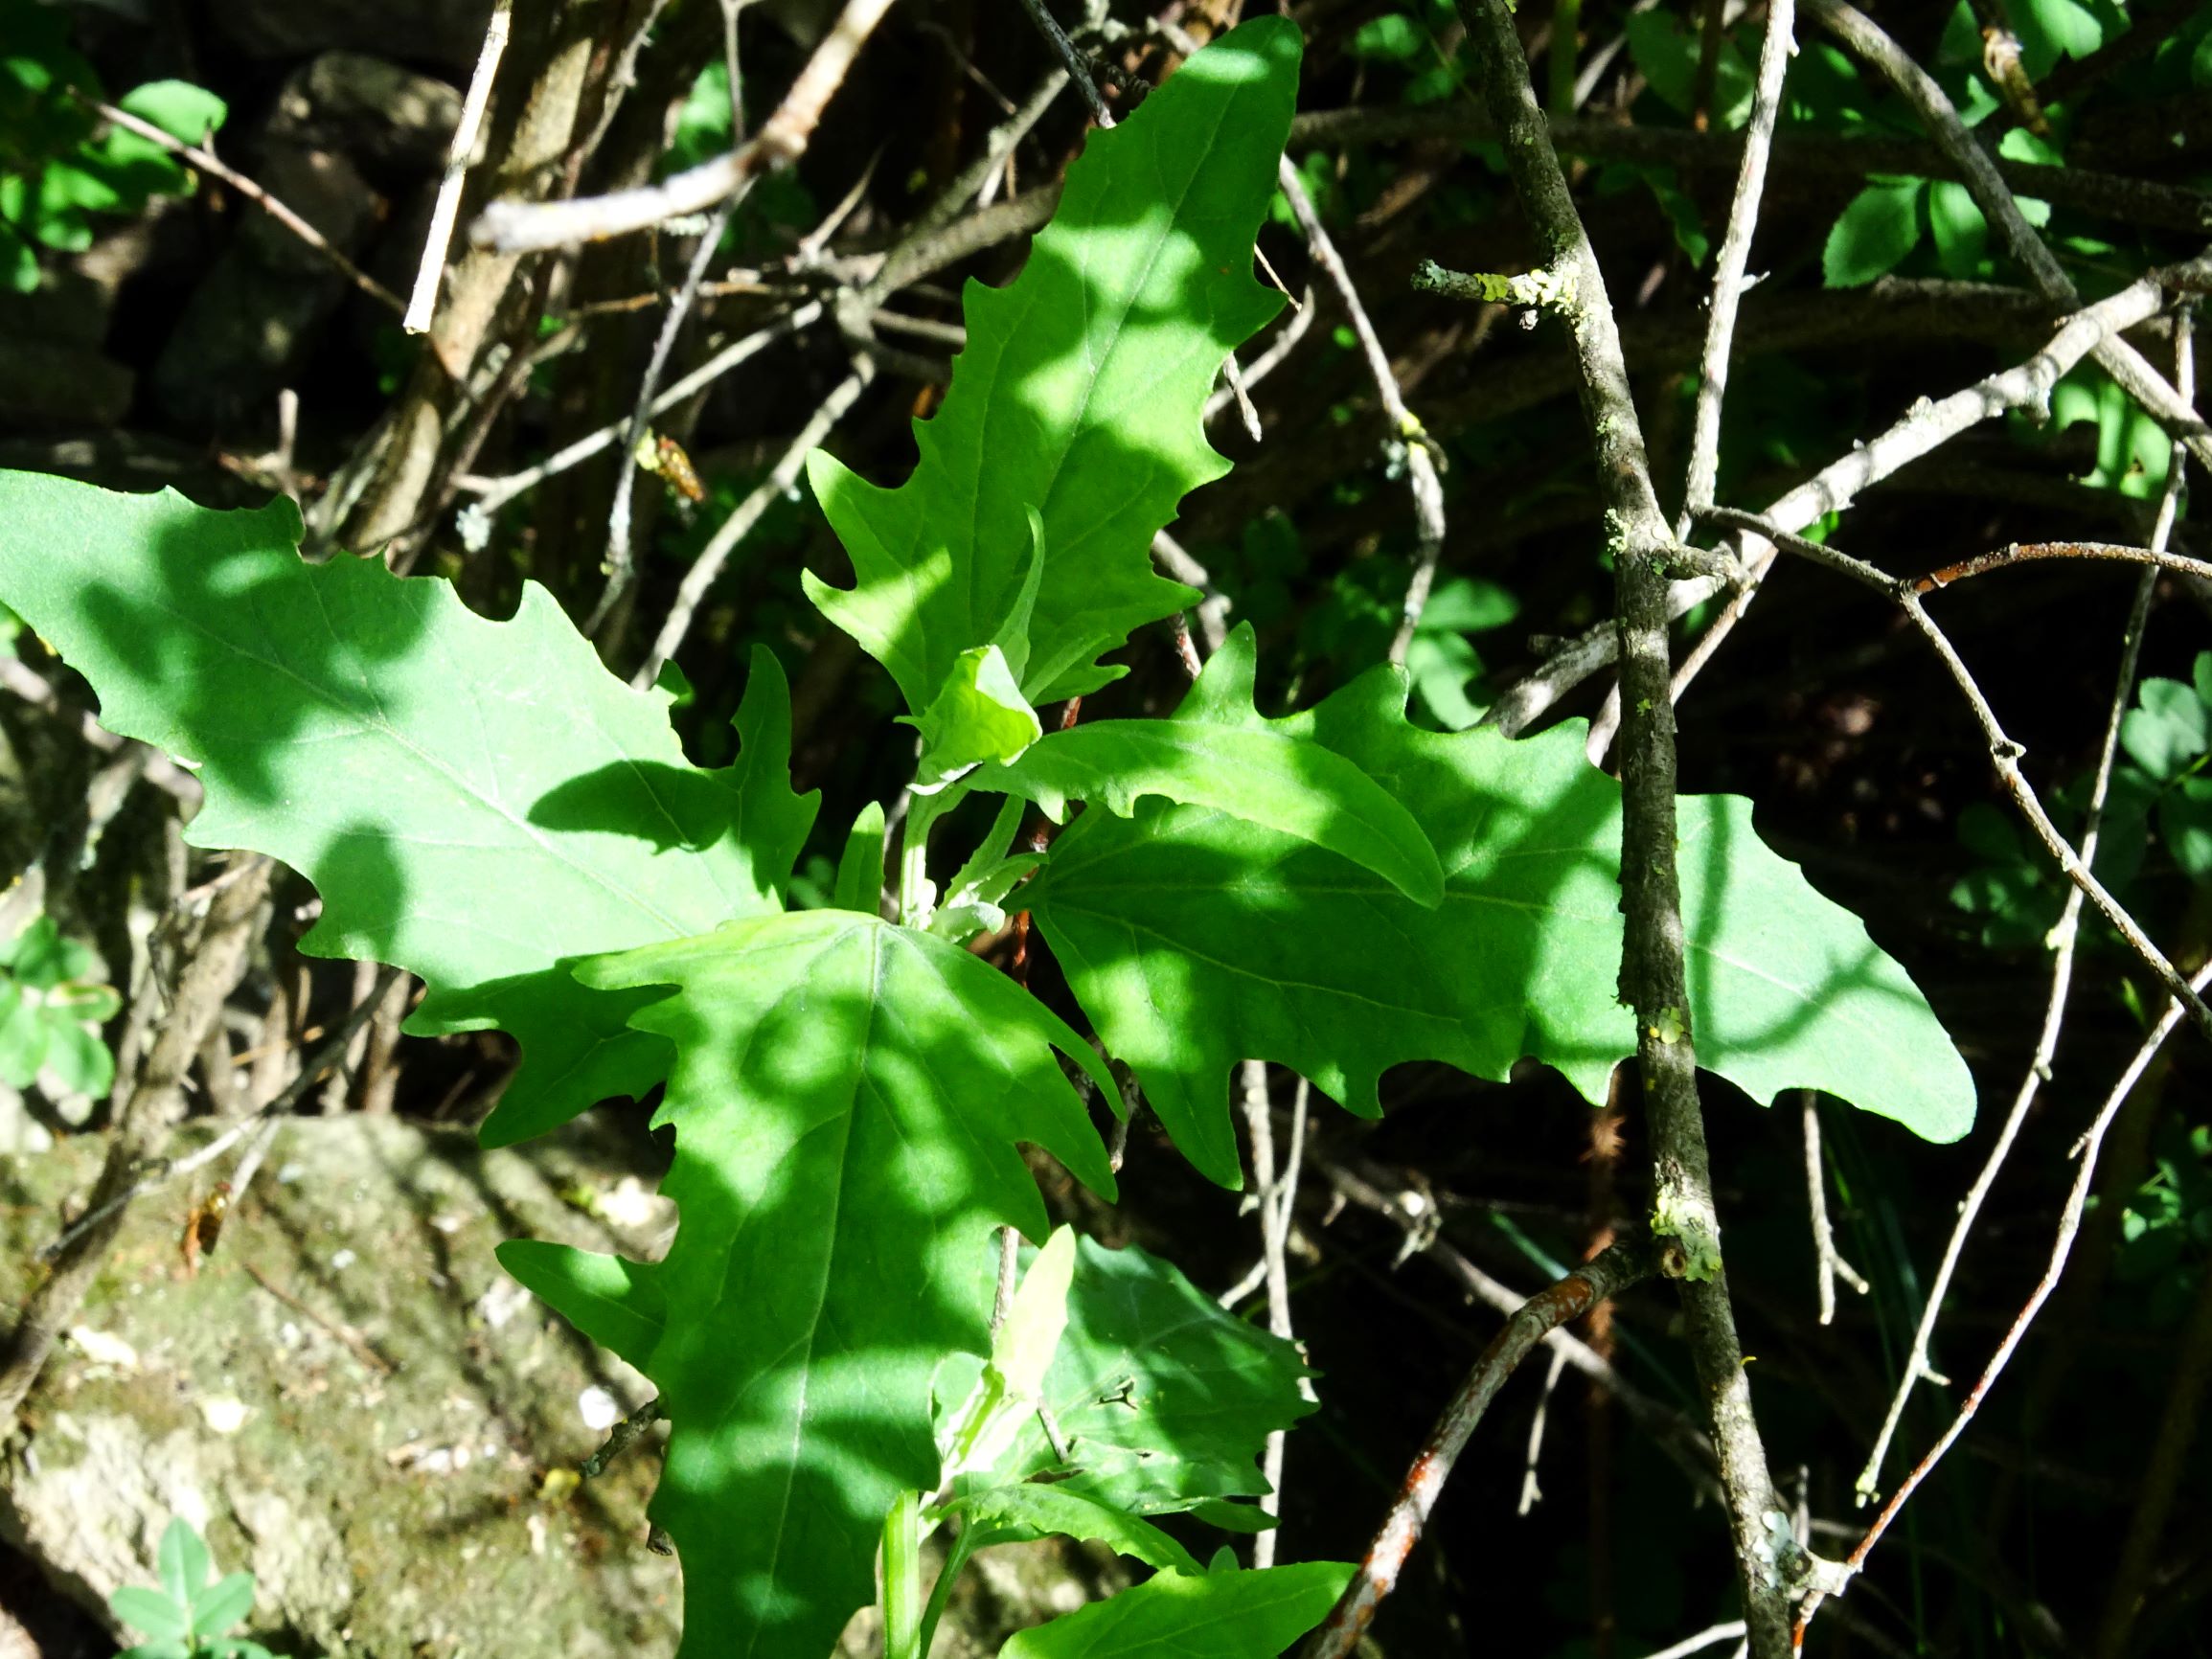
(1337, 889)
(187, 1617)
(54, 172)
(51, 1006)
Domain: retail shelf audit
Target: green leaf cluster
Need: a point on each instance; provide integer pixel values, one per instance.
(53, 1002)
(2159, 791)
(187, 1617)
(57, 168)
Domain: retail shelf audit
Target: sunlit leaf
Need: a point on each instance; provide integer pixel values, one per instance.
(1196, 940)
(847, 1101)
(1079, 395)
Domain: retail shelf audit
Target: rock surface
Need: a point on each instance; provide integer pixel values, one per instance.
(351, 1401)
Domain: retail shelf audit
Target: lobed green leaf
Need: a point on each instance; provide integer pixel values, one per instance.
(480, 803)
(1196, 940)
(1259, 770)
(847, 1098)
(1072, 426)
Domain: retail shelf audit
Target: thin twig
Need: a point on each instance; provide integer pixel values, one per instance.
(207, 161)
(1924, 428)
(2150, 389)
(515, 227)
(425, 299)
(1731, 1631)
(1407, 434)
(1619, 1267)
(1284, 342)
(35, 689)
(621, 77)
(2021, 553)
(2086, 1151)
(1273, 1194)
(2064, 937)
(781, 478)
(1669, 1429)
(1531, 1492)
(1077, 65)
(619, 564)
(1830, 1261)
(620, 1438)
(1735, 255)
(494, 493)
(2004, 753)
(2140, 203)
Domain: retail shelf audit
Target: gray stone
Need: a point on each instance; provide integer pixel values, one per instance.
(50, 383)
(353, 1402)
(384, 1450)
(370, 109)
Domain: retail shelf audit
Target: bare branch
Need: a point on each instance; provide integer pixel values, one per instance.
(734, 529)
(2021, 553)
(1407, 434)
(514, 227)
(1653, 979)
(1735, 255)
(494, 493)
(2065, 937)
(2062, 1246)
(1924, 428)
(207, 161)
(425, 299)
(1618, 1268)
(2004, 753)
(1828, 1260)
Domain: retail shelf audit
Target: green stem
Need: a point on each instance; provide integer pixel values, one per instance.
(1566, 26)
(956, 1558)
(915, 902)
(903, 1628)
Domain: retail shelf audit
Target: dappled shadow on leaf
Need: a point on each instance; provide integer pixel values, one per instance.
(1195, 941)
(847, 1100)
(674, 807)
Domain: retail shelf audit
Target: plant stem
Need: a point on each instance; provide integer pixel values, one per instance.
(915, 900)
(956, 1558)
(902, 1636)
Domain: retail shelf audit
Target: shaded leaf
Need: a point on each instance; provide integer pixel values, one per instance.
(1223, 1615)
(617, 1304)
(2169, 727)
(1163, 1399)
(1016, 1514)
(479, 803)
(1880, 226)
